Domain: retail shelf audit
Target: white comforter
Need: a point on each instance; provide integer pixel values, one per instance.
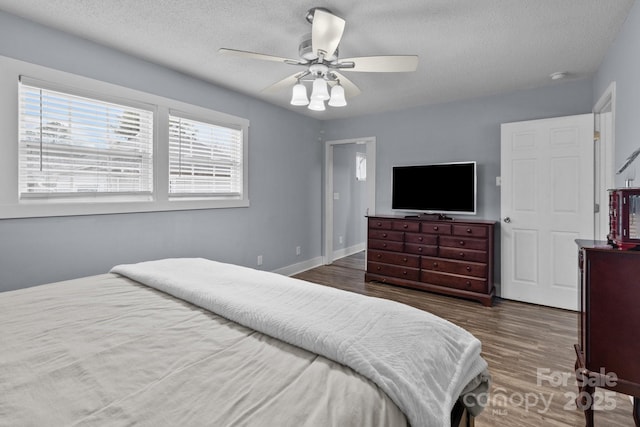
(421, 361)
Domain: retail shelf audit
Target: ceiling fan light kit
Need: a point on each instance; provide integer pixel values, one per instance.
(337, 97)
(299, 96)
(316, 105)
(319, 94)
(320, 90)
(319, 54)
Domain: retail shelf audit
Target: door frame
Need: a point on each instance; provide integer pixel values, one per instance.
(328, 187)
(604, 158)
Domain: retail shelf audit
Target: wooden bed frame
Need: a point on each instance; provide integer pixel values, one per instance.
(460, 416)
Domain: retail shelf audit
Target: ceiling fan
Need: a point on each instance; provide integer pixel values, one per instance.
(318, 53)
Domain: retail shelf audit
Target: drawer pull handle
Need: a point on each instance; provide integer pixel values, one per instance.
(468, 268)
(379, 224)
(435, 264)
(404, 273)
(405, 225)
(378, 268)
(420, 249)
(468, 284)
(420, 238)
(378, 256)
(435, 227)
(461, 242)
(384, 245)
(468, 230)
(384, 234)
(461, 254)
(404, 260)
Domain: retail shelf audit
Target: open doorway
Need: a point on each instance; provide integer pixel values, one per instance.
(604, 139)
(349, 165)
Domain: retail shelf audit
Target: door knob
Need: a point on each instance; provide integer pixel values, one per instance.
(507, 219)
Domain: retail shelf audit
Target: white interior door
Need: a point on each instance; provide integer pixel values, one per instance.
(547, 202)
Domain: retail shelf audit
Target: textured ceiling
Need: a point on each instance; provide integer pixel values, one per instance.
(466, 48)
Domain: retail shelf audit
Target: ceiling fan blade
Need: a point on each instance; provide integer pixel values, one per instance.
(261, 56)
(326, 32)
(380, 64)
(286, 83)
(350, 89)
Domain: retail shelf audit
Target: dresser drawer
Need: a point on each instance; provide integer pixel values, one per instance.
(386, 245)
(376, 223)
(463, 254)
(405, 260)
(475, 269)
(414, 248)
(393, 271)
(386, 235)
(422, 239)
(454, 281)
(435, 228)
(406, 226)
(464, 242)
(470, 230)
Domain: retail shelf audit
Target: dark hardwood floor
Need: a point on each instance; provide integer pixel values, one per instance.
(529, 350)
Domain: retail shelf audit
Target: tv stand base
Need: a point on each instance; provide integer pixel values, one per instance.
(436, 217)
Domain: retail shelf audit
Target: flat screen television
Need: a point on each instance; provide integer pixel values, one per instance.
(435, 188)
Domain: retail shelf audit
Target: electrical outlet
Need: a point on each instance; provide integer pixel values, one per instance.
(297, 250)
(259, 259)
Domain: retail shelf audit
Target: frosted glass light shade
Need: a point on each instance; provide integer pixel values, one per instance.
(320, 89)
(299, 95)
(337, 97)
(316, 104)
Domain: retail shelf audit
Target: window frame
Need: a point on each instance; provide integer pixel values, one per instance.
(11, 206)
(100, 98)
(207, 121)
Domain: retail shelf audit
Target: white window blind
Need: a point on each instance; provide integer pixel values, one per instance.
(204, 159)
(75, 146)
(361, 166)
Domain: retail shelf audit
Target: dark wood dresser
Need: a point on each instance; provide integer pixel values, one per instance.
(608, 354)
(451, 257)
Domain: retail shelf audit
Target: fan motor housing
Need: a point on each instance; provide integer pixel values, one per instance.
(305, 50)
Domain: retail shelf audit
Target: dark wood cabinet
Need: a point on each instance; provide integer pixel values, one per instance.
(451, 257)
(608, 352)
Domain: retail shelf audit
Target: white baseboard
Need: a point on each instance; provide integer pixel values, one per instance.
(291, 270)
(294, 269)
(341, 253)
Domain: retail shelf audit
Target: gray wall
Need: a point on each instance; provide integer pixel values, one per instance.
(285, 173)
(458, 131)
(622, 65)
(285, 163)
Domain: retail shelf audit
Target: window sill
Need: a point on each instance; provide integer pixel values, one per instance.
(51, 208)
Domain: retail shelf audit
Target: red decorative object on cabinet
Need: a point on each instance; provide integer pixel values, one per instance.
(624, 218)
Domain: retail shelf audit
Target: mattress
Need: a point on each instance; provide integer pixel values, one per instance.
(109, 350)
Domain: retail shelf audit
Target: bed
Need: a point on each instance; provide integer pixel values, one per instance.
(195, 342)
